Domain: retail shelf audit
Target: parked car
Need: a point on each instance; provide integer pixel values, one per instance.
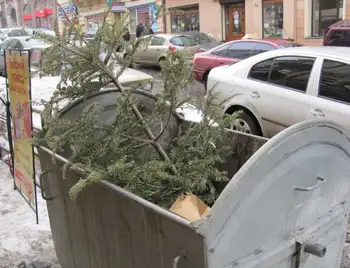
(130, 77)
(338, 34)
(231, 52)
(279, 88)
(4, 33)
(160, 44)
(11, 43)
(204, 40)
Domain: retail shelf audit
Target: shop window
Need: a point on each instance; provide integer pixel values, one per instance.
(185, 20)
(324, 14)
(139, 15)
(273, 18)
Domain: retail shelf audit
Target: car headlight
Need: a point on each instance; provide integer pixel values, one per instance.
(147, 86)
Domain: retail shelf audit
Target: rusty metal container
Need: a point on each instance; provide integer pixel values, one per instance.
(286, 207)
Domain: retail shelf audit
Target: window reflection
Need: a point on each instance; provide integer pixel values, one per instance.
(185, 21)
(273, 19)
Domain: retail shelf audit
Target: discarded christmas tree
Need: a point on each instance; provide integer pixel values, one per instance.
(142, 145)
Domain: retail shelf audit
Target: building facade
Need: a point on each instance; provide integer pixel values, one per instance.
(91, 13)
(304, 21)
(31, 13)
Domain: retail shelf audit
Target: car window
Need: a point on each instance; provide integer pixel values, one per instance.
(292, 72)
(261, 47)
(5, 44)
(221, 51)
(11, 43)
(203, 38)
(183, 41)
(335, 81)
(261, 70)
(240, 50)
(157, 41)
(18, 32)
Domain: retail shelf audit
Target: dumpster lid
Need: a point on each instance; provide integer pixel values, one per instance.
(288, 185)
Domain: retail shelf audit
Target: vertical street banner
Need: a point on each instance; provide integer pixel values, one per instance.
(19, 93)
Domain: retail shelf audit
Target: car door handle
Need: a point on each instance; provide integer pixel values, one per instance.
(221, 62)
(317, 113)
(157, 49)
(254, 94)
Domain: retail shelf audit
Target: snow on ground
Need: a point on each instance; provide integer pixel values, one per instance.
(21, 239)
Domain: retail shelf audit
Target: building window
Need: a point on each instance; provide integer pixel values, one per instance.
(185, 19)
(273, 18)
(325, 13)
(144, 15)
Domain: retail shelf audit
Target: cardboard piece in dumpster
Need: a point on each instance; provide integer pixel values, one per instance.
(190, 207)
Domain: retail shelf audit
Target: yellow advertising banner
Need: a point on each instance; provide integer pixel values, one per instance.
(18, 75)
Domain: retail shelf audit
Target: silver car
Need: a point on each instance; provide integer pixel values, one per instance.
(160, 44)
(20, 42)
(277, 89)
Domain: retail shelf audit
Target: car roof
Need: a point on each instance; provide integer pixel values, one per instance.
(170, 35)
(342, 52)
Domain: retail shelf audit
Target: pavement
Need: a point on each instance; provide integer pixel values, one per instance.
(194, 92)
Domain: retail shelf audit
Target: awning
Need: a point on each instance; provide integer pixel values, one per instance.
(43, 12)
(27, 17)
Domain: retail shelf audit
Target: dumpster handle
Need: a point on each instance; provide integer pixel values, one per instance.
(41, 180)
(319, 182)
(176, 261)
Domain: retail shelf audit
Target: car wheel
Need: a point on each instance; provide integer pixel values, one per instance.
(160, 62)
(245, 123)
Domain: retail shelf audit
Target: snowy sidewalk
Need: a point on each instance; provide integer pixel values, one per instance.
(23, 243)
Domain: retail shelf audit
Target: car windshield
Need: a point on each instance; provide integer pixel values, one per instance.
(18, 32)
(206, 38)
(5, 44)
(183, 41)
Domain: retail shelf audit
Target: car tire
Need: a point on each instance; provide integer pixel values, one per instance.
(160, 62)
(245, 123)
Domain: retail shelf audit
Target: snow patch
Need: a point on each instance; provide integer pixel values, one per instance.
(21, 238)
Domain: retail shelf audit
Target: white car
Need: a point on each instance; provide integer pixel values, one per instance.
(279, 88)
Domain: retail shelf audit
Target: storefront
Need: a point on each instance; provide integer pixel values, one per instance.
(273, 19)
(66, 10)
(93, 22)
(234, 19)
(143, 12)
(184, 19)
(27, 20)
(194, 15)
(118, 9)
(43, 17)
(27, 15)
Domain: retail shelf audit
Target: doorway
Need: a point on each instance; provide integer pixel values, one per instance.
(235, 21)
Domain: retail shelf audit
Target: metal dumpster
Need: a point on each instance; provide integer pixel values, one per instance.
(287, 207)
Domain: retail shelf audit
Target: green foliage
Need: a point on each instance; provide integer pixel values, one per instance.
(141, 144)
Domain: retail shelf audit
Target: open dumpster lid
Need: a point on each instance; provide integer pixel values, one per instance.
(293, 193)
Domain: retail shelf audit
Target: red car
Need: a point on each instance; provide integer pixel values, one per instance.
(231, 52)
